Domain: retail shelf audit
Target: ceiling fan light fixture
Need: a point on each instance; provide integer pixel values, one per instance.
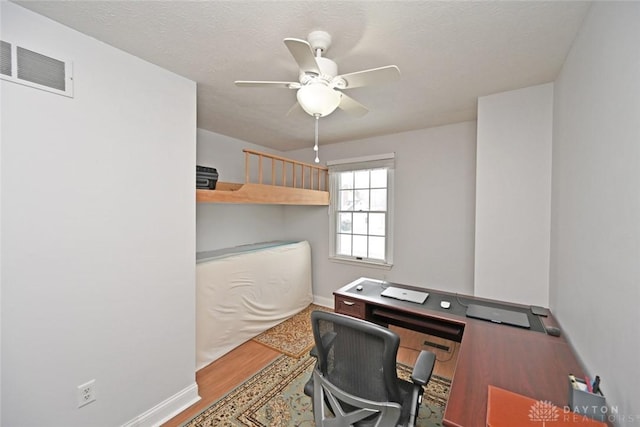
(318, 98)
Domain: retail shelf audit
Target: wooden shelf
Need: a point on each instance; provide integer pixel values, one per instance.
(228, 192)
(295, 183)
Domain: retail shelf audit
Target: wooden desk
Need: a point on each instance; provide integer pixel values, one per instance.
(530, 363)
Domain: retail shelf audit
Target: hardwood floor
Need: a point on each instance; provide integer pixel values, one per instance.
(223, 375)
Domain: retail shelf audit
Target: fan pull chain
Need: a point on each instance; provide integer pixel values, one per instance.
(315, 147)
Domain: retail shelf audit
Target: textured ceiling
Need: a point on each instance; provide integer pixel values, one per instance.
(449, 54)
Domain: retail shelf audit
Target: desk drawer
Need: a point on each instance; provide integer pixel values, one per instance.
(350, 307)
(428, 325)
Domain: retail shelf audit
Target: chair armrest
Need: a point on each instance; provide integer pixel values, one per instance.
(423, 368)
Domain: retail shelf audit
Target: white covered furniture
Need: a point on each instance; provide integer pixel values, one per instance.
(246, 290)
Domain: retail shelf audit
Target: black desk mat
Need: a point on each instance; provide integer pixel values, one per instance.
(372, 289)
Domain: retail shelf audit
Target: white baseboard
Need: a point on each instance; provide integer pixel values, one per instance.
(325, 302)
(167, 409)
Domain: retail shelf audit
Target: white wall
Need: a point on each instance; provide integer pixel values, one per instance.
(97, 235)
(1, 222)
(595, 245)
(222, 225)
(513, 195)
(433, 211)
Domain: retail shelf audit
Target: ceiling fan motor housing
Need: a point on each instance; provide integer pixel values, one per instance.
(319, 40)
(319, 87)
(328, 70)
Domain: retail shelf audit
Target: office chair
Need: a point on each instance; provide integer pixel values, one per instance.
(354, 381)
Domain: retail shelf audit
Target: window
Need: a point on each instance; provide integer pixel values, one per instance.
(361, 204)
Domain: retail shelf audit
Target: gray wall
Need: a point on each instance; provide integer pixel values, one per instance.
(97, 234)
(513, 195)
(433, 211)
(222, 225)
(595, 238)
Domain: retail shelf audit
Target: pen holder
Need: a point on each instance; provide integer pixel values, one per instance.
(581, 401)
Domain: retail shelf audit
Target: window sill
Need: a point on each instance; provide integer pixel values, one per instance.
(362, 263)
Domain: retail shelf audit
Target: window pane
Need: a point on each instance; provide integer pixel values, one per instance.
(344, 244)
(360, 246)
(378, 200)
(376, 224)
(379, 178)
(362, 179)
(346, 180)
(376, 247)
(360, 223)
(361, 211)
(361, 200)
(345, 222)
(346, 200)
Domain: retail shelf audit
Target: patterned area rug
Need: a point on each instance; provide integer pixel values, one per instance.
(275, 397)
(292, 337)
(437, 390)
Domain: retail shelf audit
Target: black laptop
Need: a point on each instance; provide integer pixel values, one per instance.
(498, 315)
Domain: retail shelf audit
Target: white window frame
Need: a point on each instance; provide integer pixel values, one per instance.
(386, 161)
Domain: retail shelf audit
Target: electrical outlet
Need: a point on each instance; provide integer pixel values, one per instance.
(86, 393)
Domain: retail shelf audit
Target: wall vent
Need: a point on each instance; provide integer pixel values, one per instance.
(5, 58)
(31, 68)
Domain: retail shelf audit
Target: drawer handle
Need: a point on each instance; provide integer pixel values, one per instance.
(348, 302)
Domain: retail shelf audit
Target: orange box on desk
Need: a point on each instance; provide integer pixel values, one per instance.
(508, 409)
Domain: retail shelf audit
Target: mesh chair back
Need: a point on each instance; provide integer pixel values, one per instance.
(358, 357)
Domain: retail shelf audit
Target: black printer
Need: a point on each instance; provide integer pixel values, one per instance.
(206, 177)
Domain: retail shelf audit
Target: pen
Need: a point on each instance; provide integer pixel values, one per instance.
(595, 388)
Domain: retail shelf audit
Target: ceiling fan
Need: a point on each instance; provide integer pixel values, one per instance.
(320, 88)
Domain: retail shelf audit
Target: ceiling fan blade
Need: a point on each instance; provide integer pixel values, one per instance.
(285, 85)
(303, 54)
(373, 76)
(352, 106)
(295, 109)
